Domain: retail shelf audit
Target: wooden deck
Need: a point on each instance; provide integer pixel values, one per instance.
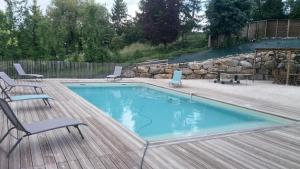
(109, 145)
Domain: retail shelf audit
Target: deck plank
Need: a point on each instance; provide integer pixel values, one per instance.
(109, 145)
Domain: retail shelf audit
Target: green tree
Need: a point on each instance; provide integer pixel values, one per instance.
(63, 15)
(160, 20)
(29, 34)
(227, 17)
(4, 34)
(273, 9)
(295, 10)
(119, 15)
(190, 18)
(96, 32)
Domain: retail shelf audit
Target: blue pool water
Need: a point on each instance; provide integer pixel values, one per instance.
(154, 113)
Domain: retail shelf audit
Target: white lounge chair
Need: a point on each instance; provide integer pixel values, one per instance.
(117, 73)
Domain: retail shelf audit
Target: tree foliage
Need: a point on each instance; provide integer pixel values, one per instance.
(227, 17)
(119, 15)
(273, 9)
(160, 20)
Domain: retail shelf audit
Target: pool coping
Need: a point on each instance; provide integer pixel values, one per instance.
(184, 138)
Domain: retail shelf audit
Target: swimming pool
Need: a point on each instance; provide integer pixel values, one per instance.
(155, 113)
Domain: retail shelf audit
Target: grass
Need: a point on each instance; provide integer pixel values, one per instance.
(138, 52)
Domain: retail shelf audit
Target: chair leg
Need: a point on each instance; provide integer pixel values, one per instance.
(6, 134)
(68, 129)
(47, 100)
(36, 91)
(79, 131)
(15, 145)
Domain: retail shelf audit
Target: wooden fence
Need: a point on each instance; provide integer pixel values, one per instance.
(280, 28)
(61, 69)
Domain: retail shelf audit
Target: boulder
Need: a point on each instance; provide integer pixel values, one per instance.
(194, 66)
(245, 64)
(156, 70)
(128, 74)
(236, 69)
(247, 71)
(186, 71)
(147, 75)
(163, 76)
(231, 62)
(271, 64)
(208, 64)
(200, 72)
(193, 76)
(210, 76)
(169, 70)
(143, 69)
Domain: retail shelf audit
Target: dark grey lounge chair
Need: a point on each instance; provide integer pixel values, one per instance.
(43, 97)
(22, 73)
(10, 83)
(35, 127)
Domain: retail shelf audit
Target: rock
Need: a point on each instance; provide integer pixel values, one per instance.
(200, 72)
(231, 62)
(247, 71)
(271, 64)
(193, 76)
(183, 65)
(128, 74)
(194, 66)
(169, 71)
(147, 75)
(210, 76)
(170, 66)
(186, 71)
(156, 70)
(245, 64)
(208, 64)
(143, 69)
(163, 76)
(236, 69)
(257, 65)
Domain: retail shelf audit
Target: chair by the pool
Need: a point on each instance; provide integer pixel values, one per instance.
(45, 98)
(117, 73)
(176, 81)
(10, 83)
(35, 127)
(22, 73)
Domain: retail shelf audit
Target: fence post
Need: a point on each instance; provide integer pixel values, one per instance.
(266, 28)
(276, 29)
(288, 28)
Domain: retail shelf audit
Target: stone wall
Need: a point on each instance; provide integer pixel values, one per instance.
(266, 64)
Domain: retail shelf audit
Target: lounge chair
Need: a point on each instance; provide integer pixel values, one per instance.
(22, 73)
(117, 73)
(176, 81)
(10, 83)
(45, 98)
(35, 127)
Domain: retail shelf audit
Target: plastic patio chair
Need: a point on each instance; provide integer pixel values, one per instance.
(176, 81)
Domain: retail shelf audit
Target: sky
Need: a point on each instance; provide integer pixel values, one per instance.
(132, 5)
